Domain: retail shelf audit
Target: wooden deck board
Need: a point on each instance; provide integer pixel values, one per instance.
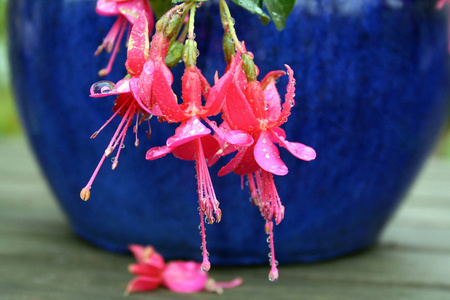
(40, 258)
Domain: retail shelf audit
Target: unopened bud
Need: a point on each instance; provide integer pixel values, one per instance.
(249, 67)
(174, 54)
(229, 49)
(190, 53)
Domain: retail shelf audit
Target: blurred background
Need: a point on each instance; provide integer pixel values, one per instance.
(9, 124)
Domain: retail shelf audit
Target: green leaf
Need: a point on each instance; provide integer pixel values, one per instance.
(255, 7)
(279, 10)
(160, 7)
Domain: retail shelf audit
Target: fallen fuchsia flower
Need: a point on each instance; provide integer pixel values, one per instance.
(256, 108)
(126, 104)
(178, 276)
(128, 12)
(440, 5)
(192, 139)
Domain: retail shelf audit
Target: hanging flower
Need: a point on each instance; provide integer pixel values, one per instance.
(192, 139)
(177, 276)
(256, 108)
(128, 12)
(126, 104)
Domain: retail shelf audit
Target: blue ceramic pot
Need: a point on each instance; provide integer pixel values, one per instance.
(370, 99)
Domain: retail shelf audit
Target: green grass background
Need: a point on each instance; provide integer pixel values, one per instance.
(8, 118)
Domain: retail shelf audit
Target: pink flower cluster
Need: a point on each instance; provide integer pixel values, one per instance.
(178, 276)
(251, 110)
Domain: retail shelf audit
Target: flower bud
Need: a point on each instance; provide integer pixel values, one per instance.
(190, 53)
(174, 54)
(229, 49)
(249, 67)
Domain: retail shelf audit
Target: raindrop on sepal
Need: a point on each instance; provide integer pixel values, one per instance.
(102, 87)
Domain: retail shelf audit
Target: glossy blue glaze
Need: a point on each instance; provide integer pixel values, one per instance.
(370, 99)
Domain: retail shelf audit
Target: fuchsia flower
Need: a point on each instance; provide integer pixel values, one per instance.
(128, 12)
(126, 104)
(192, 139)
(178, 276)
(255, 108)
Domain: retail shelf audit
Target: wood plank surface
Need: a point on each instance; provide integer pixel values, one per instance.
(40, 258)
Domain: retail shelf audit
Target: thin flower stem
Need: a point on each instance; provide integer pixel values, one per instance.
(230, 24)
(183, 34)
(191, 22)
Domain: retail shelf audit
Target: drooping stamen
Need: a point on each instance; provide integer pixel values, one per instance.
(85, 193)
(206, 265)
(135, 131)
(108, 68)
(110, 147)
(108, 41)
(118, 138)
(273, 274)
(94, 135)
(122, 137)
(207, 198)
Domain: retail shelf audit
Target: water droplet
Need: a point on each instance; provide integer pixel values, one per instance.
(264, 149)
(102, 87)
(273, 276)
(264, 141)
(267, 155)
(192, 132)
(268, 239)
(195, 121)
(113, 159)
(123, 146)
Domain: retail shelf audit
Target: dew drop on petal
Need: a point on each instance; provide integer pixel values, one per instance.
(267, 155)
(264, 141)
(102, 87)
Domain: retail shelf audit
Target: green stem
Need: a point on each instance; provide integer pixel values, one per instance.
(191, 22)
(230, 24)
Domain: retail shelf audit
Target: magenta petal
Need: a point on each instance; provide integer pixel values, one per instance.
(138, 252)
(149, 270)
(131, 9)
(299, 150)
(233, 164)
(135, 91)
(142, 284)
(268, 157)
(184, 277)
(157, 152)
(273, 101)
(106, 8)
(235, 137)
(188, 131)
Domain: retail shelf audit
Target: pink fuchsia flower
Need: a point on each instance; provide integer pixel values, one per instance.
(126, 105)
(256, 108)
(128, 12)
(178, 276)
(192, 139)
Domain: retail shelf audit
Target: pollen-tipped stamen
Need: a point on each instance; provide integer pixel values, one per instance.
(107, 70)
(94, 135)
(206, 265)
(110, 38)
(85, 193)
(273, 274)
(207, 198)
